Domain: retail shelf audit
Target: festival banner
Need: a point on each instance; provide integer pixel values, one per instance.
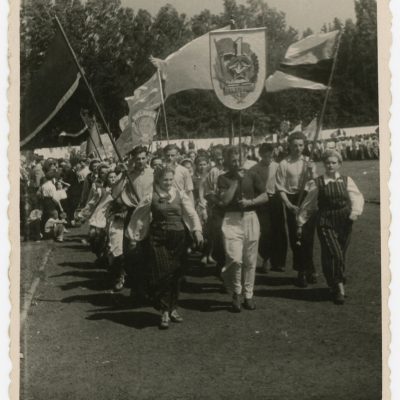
(137, 130)
(238, 66)
(307, 64)
(49, 88)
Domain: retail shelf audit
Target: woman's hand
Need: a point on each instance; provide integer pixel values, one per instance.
(292, 208)
(198, 238)
(353, 217)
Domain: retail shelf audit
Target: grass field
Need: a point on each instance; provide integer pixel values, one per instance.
(89, 343)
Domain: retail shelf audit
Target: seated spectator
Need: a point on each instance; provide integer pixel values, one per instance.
(34, 225)
(54, 227)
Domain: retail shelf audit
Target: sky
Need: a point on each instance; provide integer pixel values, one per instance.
(300, 14)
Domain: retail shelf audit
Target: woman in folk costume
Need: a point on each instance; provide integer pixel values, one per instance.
(158, 225)
(95, 211)
(338, 203)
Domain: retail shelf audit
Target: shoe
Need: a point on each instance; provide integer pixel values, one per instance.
(312, 278)
(338, 298)
(236, 303)
(203, 260)
(175, 317)
(249, 304)
(164, 323)
(302, 280)
(211, 261)
(119, 284)
(264, 268)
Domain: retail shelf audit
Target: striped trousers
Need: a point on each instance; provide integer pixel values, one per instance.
(334, 243)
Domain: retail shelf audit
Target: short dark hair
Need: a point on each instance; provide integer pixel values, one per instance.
(266, 148)
(297, 136)
(170, 147)
(138, 150)
(233, 150)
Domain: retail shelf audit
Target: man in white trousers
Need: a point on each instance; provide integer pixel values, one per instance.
(240, 193)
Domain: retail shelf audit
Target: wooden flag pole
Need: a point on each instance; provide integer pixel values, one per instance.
(162, 104)
(98, 132)
(240, 137)
(320, 120)
(90, 136)
(82, 72)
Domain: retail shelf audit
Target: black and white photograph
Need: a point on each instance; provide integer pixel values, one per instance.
(199, 200)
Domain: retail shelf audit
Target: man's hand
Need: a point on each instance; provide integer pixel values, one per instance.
(244, 203)
(198, 238)
(240, 173)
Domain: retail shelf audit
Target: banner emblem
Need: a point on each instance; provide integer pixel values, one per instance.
(238, 66)
(144, 125)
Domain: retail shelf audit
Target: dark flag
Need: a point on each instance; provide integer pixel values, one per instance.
(50, 87)
(307, 64)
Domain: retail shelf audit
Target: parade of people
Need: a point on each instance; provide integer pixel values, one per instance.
(199, 202)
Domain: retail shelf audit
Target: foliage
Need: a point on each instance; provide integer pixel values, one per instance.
(114, 43)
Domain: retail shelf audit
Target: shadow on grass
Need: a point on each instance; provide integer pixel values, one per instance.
(99, 281)
(78, 264)
(203, 287)
(274, 280)
(105, 299)
(314, 295)
(205, 305)
(131, 319)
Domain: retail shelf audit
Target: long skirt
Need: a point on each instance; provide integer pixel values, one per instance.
(334, 239)
(164, 251)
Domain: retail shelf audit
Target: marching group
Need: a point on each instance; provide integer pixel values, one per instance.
(225, 204)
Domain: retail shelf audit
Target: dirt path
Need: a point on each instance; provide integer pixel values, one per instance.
(82, 342)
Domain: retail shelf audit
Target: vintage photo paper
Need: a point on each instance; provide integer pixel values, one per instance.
(199, 204)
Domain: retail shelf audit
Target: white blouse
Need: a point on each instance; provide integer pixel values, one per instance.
(310, 203)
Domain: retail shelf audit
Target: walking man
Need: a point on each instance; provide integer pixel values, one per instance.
(241, 192)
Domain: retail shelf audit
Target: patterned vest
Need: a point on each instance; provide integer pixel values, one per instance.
(333, 202)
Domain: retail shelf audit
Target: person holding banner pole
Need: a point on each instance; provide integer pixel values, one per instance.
(289, 184)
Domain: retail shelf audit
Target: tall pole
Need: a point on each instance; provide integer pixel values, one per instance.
(162, 104)
(240, 137)
(82, 72)
(98, 132)
(320, 119)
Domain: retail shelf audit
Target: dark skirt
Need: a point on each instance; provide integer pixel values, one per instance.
(164, 253)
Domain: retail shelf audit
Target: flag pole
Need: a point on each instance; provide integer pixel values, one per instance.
(82, 72)
(101, 142)
(320, 119)
(90, 136)
(240, 137)
(163, 104)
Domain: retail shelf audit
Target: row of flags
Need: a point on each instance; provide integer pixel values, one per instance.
(307, 65)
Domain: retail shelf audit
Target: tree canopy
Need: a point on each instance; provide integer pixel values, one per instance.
(114, 43)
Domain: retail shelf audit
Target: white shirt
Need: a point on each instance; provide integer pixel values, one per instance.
(310, 203)
(289, 173)
(183, 180)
